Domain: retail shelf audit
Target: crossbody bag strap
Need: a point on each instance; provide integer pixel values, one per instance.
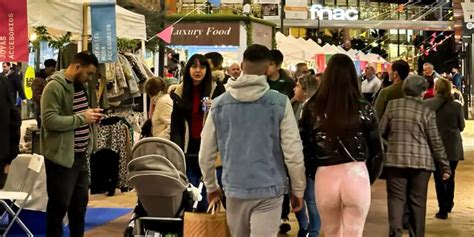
(346, 150)
(439, 108)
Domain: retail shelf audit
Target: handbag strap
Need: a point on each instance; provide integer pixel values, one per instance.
(346, 150)
(439, 108)
(215, 206)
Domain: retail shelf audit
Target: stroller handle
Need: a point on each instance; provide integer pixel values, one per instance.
(200, 187)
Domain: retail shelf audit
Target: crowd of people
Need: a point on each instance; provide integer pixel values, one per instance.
(264, 140)
(340, 144)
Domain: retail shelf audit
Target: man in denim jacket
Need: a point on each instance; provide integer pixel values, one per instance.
(255, 131)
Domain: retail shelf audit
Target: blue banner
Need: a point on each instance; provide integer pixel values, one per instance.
(215, 3)
(104, 32)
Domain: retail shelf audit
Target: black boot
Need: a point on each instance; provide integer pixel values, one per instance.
(443, 215)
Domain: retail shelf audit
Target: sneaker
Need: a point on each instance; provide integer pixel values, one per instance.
(302, 233)
(285, 226)
(442, 215)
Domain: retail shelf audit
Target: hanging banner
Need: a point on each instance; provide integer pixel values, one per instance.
(13, 31)
(104, 32)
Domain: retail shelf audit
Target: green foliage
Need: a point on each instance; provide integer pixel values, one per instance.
(56, 42)
(61, 41)
(249, 29)
(127, 44)
(274, 41)
(42, 34)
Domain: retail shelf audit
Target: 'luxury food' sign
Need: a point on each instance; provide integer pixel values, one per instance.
(319, 12)
(206, 33)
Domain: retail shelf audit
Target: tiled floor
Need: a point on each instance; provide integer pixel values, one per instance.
(459, 224)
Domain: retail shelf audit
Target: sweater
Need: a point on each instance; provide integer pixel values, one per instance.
(161, 117)
(59, 121)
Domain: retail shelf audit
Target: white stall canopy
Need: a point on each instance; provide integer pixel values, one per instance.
(67, 15)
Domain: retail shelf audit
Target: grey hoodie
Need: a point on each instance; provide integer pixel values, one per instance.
(257, 171)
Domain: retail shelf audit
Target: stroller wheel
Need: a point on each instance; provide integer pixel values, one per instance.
(128, 232)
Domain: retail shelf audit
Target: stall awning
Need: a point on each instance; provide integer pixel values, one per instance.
(63, 16)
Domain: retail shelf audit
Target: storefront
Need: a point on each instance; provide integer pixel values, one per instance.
(394, 27)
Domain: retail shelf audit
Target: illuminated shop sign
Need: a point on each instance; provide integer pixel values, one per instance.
(322, 13)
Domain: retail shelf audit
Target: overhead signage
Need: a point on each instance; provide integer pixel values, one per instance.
(13, 31)
(262, 34)
(296, 9)
(318, 12)
(468, 24)
(468, 11)
(104, 32)
(206, 33)
(468, 30)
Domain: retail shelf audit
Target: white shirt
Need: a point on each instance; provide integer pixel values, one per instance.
(371, 85)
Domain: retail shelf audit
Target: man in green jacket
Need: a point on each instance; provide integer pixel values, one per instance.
(399, 72)
(65, 140)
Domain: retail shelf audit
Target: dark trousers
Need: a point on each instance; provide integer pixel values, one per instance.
(445, 188)
(405, 185)
(285, 211)
(193, 172)
(68, 193)
(3, 176)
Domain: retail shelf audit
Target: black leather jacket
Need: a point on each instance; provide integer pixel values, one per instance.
(363, 144)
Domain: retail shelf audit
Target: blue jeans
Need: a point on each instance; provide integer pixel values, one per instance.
(314, 224)
(194, 177)
(193, 172)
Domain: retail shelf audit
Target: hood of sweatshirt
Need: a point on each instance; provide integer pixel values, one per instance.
(61, 79)
(248, 88)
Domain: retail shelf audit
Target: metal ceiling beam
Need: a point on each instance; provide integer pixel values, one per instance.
(372, 24)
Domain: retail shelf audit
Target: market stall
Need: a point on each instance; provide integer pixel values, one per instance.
(226, 34)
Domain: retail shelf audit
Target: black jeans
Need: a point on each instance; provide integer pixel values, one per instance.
(3, 176)
(285, 211)
(68, 192)
(445, 188)
(405, 185)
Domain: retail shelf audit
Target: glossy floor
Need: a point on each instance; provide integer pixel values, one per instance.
(459, 224)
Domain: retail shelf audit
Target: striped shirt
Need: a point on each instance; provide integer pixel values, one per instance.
(80, 105)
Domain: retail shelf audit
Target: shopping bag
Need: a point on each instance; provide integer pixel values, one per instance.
(210, 224)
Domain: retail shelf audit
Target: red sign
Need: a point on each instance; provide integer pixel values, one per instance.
(13, 31)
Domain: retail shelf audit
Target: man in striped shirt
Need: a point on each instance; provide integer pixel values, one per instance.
(65, 137)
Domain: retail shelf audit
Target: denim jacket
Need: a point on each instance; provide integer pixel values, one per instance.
(255, 131)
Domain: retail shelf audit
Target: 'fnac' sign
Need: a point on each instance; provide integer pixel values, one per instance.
(319, 12)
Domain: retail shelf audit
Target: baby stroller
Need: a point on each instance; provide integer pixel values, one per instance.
(158, 174)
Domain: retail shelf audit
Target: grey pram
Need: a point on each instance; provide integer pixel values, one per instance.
(157, 171)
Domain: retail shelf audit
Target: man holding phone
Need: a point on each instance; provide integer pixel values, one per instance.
(65, 141)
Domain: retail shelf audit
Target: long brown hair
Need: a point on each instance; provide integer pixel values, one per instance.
(443, 87)
(338, 97)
